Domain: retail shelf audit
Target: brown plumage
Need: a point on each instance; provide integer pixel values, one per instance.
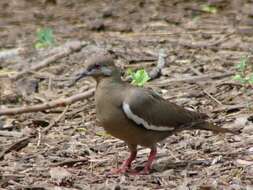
(136, 115)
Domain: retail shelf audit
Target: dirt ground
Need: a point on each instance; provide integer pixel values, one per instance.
(202, 50)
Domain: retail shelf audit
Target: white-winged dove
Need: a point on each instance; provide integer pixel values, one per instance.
(137, 115)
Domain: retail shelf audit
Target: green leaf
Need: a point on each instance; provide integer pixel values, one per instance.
(209, 9)
(243, 64)
(103, 134)
(45, 38)
(39, 45)
(81, 129)
(250, 79)
(129, 71)
(139, 78)
(245, 74)
(239, 78)
(195, 19)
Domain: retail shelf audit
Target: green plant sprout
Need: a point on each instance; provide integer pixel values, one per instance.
(209, 8)
(139, 78)
(45, 38)
(244, 71)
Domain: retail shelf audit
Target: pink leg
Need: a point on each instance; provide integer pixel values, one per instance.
(151, 158)
(127, 163)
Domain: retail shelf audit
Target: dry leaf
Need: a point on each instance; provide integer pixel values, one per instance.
(60, 175)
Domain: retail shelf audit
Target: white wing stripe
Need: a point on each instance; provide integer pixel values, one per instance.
(139, 120)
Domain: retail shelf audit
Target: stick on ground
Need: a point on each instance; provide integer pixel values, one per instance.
(25, 141)
(67, 49)
(156, 71)
(70, 162)
(192, 79)
(48, 105)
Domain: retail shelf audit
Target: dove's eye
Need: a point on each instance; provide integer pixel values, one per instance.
(97, 66)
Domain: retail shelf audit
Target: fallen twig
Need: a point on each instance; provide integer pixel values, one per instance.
(39, 137)
(67, 49)
(203, 89)
(48, 105)
(54, 122)
(138, 34)
(212, 97)
(11, 134)
(17, 145)
(70, 162)
(25, 141)
(193, 79)
(190, 44)
(229, 84)
(156, 71)
(232, 107)
(6, 54)
(20, 186)
(184, 164)
(205, 44)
